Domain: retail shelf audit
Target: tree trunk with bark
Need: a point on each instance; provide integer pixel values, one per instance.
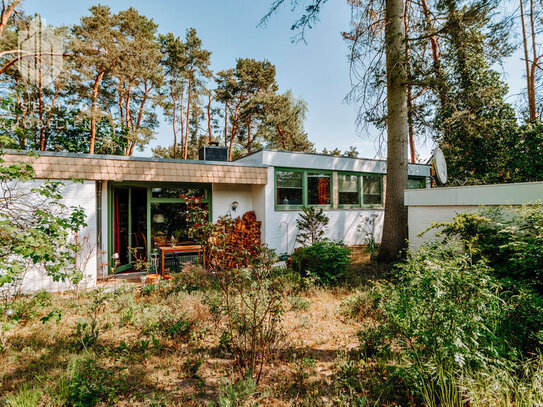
(93, 109)
(7, 11)
(395, 222)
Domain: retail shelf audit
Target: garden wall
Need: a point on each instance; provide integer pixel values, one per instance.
(428, 206)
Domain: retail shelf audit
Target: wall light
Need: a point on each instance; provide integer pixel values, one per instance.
(234, 206)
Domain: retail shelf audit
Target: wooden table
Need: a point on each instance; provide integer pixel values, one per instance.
(194, 248)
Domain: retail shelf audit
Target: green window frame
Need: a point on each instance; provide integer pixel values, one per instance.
(362, 203)
(305, 174)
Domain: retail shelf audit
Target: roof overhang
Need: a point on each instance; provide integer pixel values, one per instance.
(63, 166)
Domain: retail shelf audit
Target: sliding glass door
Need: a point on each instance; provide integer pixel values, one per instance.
(143, 217)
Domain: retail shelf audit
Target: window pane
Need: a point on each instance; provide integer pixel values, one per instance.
(371, 190)
(289, 187)
(348, 189)
(318, 189)
(167, 221)
(177, 192)
(416, 183)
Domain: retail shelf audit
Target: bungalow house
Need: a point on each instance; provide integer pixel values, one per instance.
(135, 203)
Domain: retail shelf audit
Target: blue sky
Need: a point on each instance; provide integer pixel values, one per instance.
(317, 71)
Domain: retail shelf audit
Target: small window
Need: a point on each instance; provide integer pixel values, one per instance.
(289, 187)
(416, 183)
(371, 190)
(318, 189)
(348, 189)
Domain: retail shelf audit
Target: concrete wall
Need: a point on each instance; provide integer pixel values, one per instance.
(74, 194)
(428, 206)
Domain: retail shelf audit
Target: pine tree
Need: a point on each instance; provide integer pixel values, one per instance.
(311, 226)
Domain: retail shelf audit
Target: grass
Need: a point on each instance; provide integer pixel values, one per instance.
(128, 345)
(134, 345)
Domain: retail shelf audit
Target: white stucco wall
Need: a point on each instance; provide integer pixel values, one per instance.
(428, 206)
(222, 196)
(74, 194)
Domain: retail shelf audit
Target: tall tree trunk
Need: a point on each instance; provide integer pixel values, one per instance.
(174, 120)
(395, 222)
(47, 130)
(233, 131)
(189, 94)
(93, 109)
(249, 140)
(137, 125)
(182, 122)
(226, 123)
(527, 62)
(282, 136)
(409, 87)
(40, 109)
(210, 99)
(535, 57)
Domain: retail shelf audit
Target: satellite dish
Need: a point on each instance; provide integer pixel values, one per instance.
(440, 165)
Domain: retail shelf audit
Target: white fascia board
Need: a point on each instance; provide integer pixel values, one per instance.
(333, 163)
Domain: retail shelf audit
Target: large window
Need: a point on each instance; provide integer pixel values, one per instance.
(357, 190)
(371, 190)
(295, 188)
(348, 189)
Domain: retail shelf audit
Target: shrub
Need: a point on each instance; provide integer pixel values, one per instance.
(510, 240)
(86, 333)
(249, 302)
(445, 307)
(192, 278)
(447, 312)
(178, 328)
(326, 260)
(357, 306)
(167, 325)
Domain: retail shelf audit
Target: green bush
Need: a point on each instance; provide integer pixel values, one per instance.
(510, 242)
(445, 311)
(326, 260)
